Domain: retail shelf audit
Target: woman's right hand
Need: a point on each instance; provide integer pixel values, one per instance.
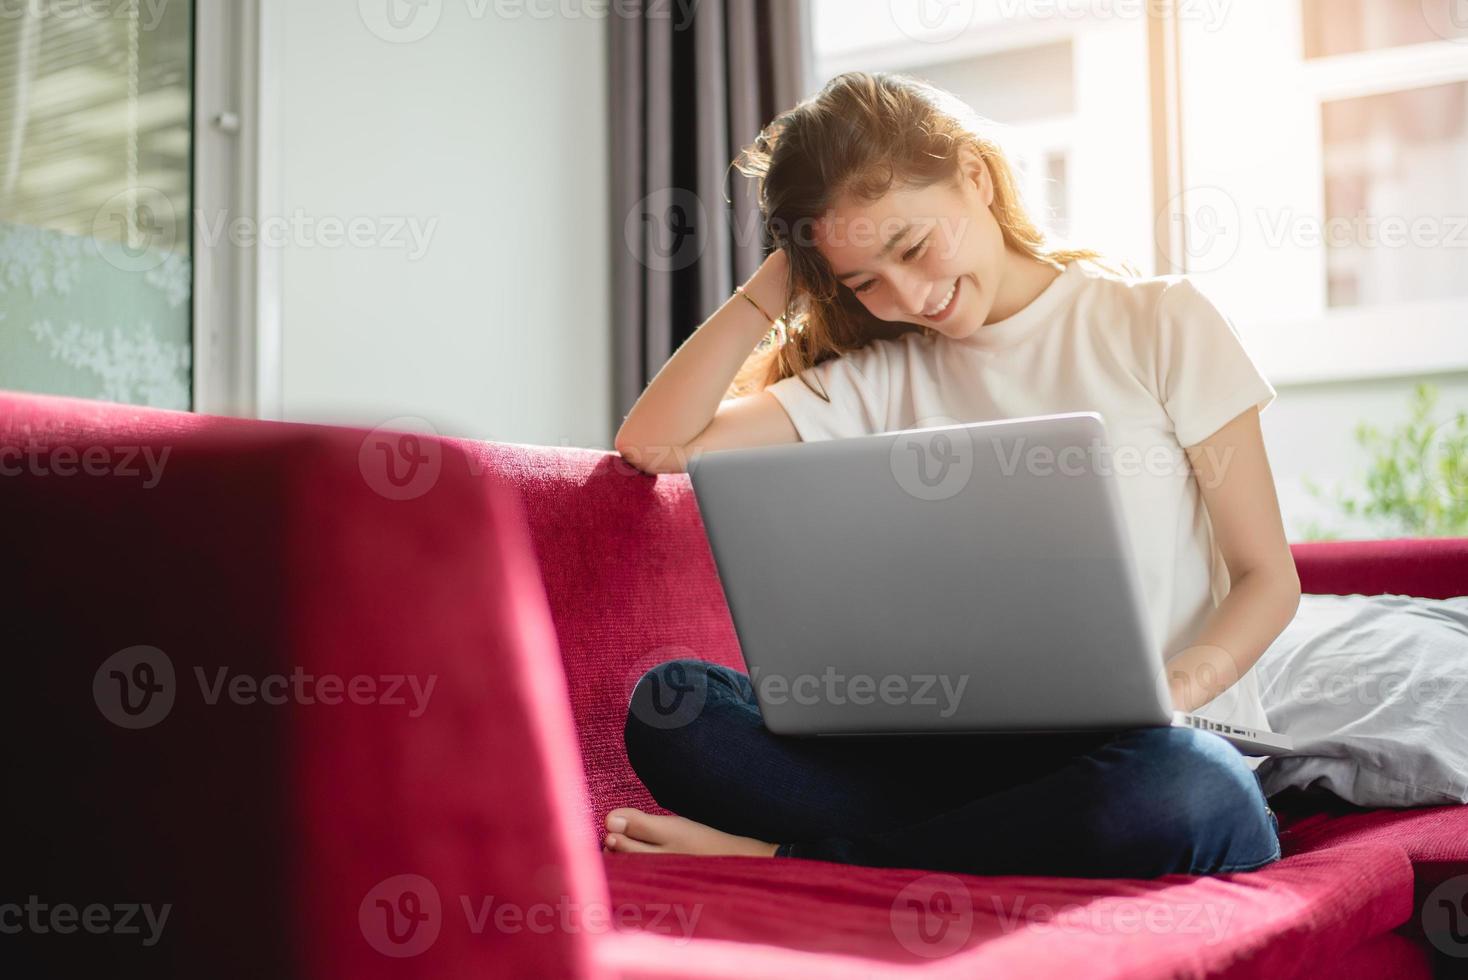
(684, 409)
(770, 284)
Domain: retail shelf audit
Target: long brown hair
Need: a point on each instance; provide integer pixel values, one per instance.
(863, 133)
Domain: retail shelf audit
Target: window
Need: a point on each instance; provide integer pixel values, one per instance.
(95, 164)
(1400, 153)
(1340, 162)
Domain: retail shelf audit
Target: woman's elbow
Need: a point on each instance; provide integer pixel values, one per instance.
(653, 459)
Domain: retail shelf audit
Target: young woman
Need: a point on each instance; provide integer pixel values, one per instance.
(920, 293)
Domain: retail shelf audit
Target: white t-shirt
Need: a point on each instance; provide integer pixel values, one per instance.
(1154, 357)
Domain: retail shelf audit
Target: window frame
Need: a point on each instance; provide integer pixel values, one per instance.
(236, 290)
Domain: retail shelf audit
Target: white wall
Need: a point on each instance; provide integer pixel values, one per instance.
(494, 127)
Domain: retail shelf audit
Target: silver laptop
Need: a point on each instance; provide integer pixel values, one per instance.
(956, 578)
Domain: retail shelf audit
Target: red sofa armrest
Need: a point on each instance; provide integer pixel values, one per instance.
(1433, 568)
(421, 815)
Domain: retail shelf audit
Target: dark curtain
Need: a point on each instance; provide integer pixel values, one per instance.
(692, 81)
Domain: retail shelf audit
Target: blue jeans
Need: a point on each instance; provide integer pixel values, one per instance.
(1131, 804)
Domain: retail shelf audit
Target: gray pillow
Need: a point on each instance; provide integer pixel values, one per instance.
(1374, 692)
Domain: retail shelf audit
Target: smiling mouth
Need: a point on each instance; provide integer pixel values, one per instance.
(945, 306)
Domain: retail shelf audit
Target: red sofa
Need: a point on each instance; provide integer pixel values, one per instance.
(294, 828)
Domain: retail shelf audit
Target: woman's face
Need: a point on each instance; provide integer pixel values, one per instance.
(932, 257)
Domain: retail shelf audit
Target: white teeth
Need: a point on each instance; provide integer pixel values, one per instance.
(946, 300)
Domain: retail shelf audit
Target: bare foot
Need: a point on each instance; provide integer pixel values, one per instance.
(635, 832)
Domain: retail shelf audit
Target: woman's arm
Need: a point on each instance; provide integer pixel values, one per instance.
(1264, 593)
(684, 397)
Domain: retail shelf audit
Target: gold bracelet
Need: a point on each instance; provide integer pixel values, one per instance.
(741, 292)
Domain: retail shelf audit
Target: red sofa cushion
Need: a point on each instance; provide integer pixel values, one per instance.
(644, 956)
(1283, 921)
(1435, 837)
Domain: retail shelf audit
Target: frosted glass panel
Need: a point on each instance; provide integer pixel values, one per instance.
(95, 272)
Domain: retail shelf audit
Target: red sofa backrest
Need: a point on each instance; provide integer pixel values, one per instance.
(630, 581)
(330, 832)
